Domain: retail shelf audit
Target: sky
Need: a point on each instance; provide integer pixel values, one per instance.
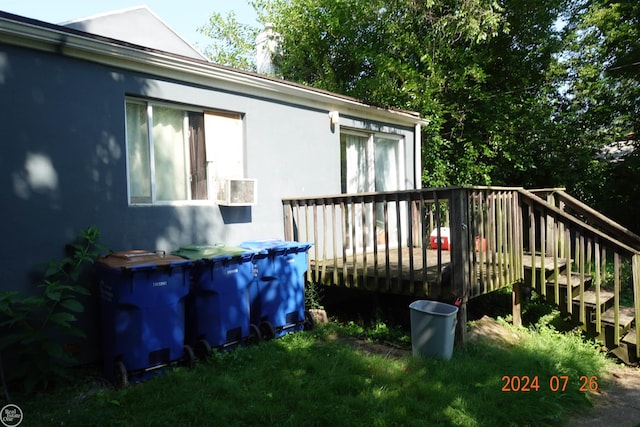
(184, 16)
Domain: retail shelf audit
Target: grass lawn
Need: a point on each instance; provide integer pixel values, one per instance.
(318, 379)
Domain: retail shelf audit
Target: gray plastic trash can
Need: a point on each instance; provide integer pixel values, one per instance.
(433, 328)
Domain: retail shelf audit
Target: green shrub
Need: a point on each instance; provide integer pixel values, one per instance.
(33, 326)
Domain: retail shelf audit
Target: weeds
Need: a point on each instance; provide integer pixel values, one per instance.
(313, 296)
(33, 325)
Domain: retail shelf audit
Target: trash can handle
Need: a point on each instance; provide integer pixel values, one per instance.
(139, 254)
(128, 255)
(141, 267)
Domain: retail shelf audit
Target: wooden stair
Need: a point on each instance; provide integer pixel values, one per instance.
(548, 263)
(606, 300)
(625, 350)
(626, 317)
(590, 304)
(573, 280)
(564, 280)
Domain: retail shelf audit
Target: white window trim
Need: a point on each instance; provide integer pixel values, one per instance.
(371, 136)
(150, 104)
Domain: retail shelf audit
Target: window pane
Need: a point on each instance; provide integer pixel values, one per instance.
(225, 146)
(198, 157)
(387, 176)
(356, 170)
(138, 153)
(169, 154)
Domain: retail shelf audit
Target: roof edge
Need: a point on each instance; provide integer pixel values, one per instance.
(35, 34)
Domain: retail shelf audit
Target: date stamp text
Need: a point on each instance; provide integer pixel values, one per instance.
(555, 383)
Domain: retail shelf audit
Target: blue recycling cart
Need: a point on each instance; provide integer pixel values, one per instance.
(277, 291)
(217, 309)
(142, 297)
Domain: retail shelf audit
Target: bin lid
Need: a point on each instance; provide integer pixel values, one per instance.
(275, 245)
(210, 252)
(140, 259)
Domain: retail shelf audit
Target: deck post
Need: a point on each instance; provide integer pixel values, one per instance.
(461, 325)
(288, 221)
(516, 302)
(460, 259)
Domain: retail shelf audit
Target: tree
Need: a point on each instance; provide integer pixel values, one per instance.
(402, 54)
(478, 70)
(507, 114)
(516, 92)
(601, 103)
(232, 42)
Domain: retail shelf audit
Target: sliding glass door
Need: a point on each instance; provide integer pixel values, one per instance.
(371, 163)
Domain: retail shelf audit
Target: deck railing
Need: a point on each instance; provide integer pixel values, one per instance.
(385, 241)
(590, 248)
(485, 238)
(362, 240)
(496, 231)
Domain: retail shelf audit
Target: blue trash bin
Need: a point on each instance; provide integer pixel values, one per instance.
(217, 308)
(142, 302)
(277, 291)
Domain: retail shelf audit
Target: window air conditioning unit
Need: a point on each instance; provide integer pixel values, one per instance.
(236, 191)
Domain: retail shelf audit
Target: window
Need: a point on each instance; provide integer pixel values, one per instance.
(372, 162)
(175, 153)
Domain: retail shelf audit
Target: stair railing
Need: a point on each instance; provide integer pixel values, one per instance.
(564, 201)
(557, 240)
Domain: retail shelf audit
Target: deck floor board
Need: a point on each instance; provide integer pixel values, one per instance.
(400, 274)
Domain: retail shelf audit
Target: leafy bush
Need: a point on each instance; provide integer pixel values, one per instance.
(33, 326)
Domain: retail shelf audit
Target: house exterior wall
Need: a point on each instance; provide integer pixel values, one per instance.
(63, 157)
(64, 161)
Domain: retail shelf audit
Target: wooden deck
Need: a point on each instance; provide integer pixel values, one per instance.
(405, 271)
(390, 270)
(544, 240)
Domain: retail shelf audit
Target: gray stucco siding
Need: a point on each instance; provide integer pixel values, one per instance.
(64, 160)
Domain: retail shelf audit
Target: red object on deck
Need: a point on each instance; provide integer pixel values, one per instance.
(481, 247)
(444, 239)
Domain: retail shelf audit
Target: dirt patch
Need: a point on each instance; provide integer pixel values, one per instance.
(386, 349)
(489, 329)
(617, 402)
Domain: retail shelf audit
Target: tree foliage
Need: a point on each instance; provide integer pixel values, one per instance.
(516, 92)
(601, 104)
(232, 42)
